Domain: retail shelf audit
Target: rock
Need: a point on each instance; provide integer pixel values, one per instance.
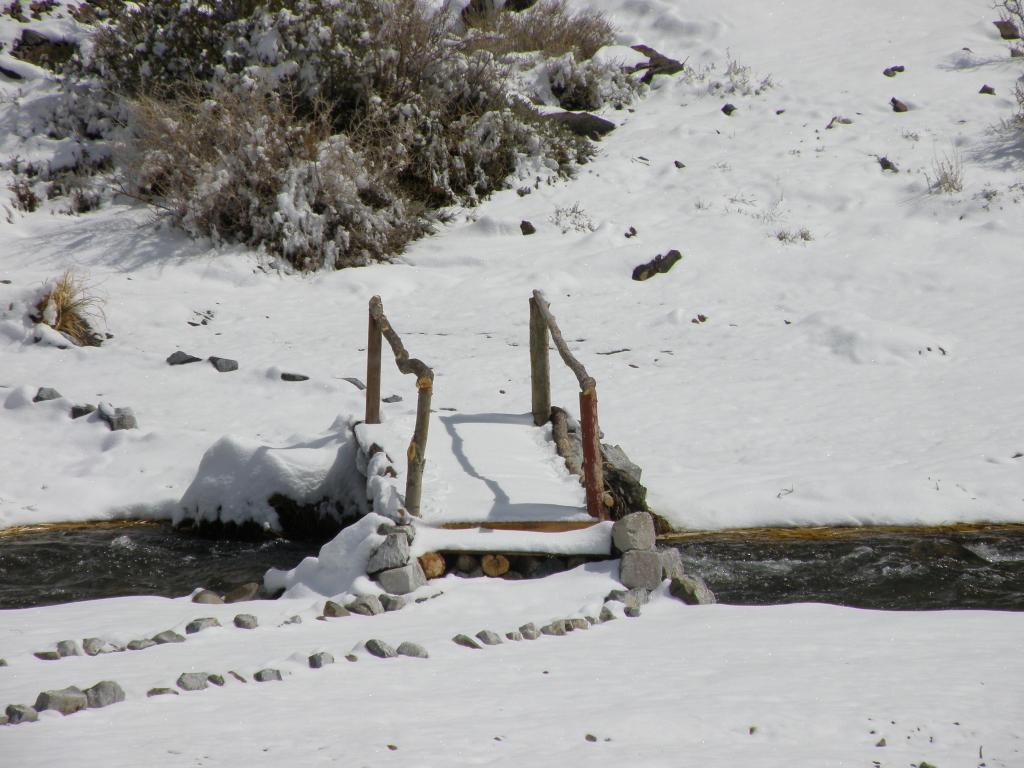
(1007, 29)
(267, 675)
(21, 713)
(414, 650)
(487, 637)
(321, 659)
(632, 611)
(679, 163)
(392, 553)
(118, 418)
(635, 531)
(355, 383)
(46, 655)
(198, 625)
(292, 620)
(193, 681)
(583, 124)
(539, 567)
(466, 563)
(66, 701)
(514, 636)
(380, 649)
(888, 165)
(168, 636)
(433, 565)
(671, 563)
(78, 411)
(556, 628)
(402, 581)
(494, 565)
(386, 529)
(243, 593)
(182, 358)
(161, 692)
(728, 109)
(578, 623)
(246, 621)
(333, 610)
(893, 70)
(237, 676)
(367, 605)
(294, 377)
(46, 393)
(466, 640)
(141, 645)
(639, 568)
(351, 657)
(68, 648)
(658, 64)
(13, 76)
(988, 90)
(660, 264)
(393, 602)
(223, 364)
(93, 646)
(217, 680)
(607, 614)
(529, 631)
(526, 227)
(691, 590)
(103, 694)
(3, 662)
(897, 105)
(208, 597)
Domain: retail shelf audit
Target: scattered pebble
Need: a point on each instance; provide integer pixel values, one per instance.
(223, 364)
(198, 625)
(267, 675)
(466, 640)
(380, 649)
(246, 621)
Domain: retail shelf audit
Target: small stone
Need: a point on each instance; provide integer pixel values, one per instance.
(237, 676)
(888, 165)
(46, 655)
(3, 662)
(893, 71)
(333, 610)
(292, 620)
(880, 743)
(391, 399)
(118, 418)
(402, 581)
(168, 636)
(728, 109)
(487, 637)
(679, 164)
(208, 597)
(659, 265)
(355, 383)
(629, 597)
(93, 646)
(526, 227)
(294, 377)
(671, 563)
(632, 612)
(987, 90)
(691, 590)
(387, 529)
(66, 701)
(583, 124)
(466, 640)
(897, 105)
(590, 737)
(392, 553)
(639, 568)
(46, 393)
(198, 625)
(267, 675)
(514, 636)
(243, 593)
(556, 628)
(607, 614)
(223, 364)
(78, 411)
(215, 679)
(393, 602)
(321, 659)
(414, 650)
(578, 623)
(68, 648)
(380, 649)
(246, 621)
(140, 645)
(433, 565)
(161, 692)
(351, 657)
(1007, 29)
(21, 713)
(634, 531)
(103, 694)
(529, 632)
(181, 358)
(193, 681)
(367, 605)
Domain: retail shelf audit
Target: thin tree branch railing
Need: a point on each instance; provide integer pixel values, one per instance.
(380, 328)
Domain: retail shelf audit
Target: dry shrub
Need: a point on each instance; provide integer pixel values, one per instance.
(25, 198)
(70, 307)
(549, 27)
(947, 175)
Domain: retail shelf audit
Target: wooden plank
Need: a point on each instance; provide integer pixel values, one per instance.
(537, 526)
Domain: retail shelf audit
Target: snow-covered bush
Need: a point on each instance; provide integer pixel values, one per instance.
(589, 84)
(549, 27)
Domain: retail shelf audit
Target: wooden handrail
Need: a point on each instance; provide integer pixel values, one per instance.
(543, 323)
(380, 327)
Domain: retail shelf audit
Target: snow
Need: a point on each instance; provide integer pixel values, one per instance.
(868, 375)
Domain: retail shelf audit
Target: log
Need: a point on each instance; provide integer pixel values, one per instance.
(373, 348)
(586, 382)
(540, 372)
(593, 473)
(417, 455)
(433, 565)
(405, 363)
(495, 565)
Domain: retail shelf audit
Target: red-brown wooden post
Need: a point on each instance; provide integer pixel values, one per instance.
(593, 474)
(373, 347)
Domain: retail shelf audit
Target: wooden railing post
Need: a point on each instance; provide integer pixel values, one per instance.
(593, 473)
(373, 347)
(540, 373)
(417, 454)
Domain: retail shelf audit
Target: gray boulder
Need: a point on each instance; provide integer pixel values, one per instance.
(198, 625)
(267, 675)
(691, 590)
(21, 713)
(103, 694)
(529, 631)
(46, 393)
(78, 411)
(556, 628)
(321, 659)
(393, 602)
(578, 623)
(93, 646)
(68, 648)
(140, 645)
(333, 610)
(243, 593)
(66, 701)
(633, 531)
(223, 364)
(639, 568)
(181, 358)
(193, 681)
(246, 621)
(392, 553)
(207, 597)
(583, 124)
(118, 418)
(168, 636)
(466, 641)
(514, 636)
(671, 563)
(487, 637)
(380, 649)
(415, 650)
(402, 581)
(367, 605)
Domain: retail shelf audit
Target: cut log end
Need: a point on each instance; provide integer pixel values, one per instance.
(495, 565)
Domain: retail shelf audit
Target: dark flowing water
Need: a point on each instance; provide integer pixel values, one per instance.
(906, 571)
(62, 565)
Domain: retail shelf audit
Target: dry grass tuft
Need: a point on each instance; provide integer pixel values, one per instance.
(70, 307)
(549, 27)
(947, 175)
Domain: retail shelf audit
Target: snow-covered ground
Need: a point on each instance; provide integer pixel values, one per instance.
(869, 374)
